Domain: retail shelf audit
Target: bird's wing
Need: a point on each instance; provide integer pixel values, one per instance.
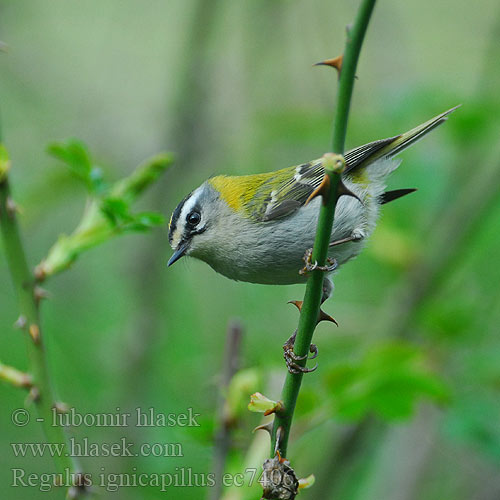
(287, 190)
(388, 148)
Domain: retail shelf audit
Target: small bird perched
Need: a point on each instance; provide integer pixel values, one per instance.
(256, 228)
(260, 228)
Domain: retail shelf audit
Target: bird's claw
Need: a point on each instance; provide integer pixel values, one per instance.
(313, 349)
(313, 266)
(291, 358)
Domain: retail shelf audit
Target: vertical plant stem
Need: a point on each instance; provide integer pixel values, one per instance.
(24, 283)
(355, 37)
(473, 199)
(314, 287)
(224, 419)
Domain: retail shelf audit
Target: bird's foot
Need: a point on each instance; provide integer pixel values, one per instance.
(313, 266)
(356, 235)
(291, 358)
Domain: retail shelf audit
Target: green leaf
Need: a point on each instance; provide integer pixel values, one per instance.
(116, 210)
(76, 157)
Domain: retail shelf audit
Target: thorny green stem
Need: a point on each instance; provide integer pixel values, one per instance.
(312, 297)
(93, 229)
(24, 283)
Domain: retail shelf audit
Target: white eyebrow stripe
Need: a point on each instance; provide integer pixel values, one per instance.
(188, 206)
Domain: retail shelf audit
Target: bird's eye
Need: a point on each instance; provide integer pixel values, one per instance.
(193, 218)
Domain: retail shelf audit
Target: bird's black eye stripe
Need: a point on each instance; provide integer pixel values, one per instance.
(193, 218)
(175, 217)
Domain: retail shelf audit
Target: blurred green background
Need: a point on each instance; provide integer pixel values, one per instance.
(406, 402)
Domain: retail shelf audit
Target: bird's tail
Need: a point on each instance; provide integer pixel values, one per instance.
(361, 157)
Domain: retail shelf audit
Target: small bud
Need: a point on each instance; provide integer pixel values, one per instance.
(306, 482)
(15, 376)
(333, 162)
(260, 404)
(34, 331)
(61, 407)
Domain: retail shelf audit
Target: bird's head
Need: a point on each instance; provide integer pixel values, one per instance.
(204, 220)
(193, 223)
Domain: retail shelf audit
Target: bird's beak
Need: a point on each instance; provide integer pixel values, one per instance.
(179, 252)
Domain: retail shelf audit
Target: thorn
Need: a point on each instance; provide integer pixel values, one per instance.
(265, 427)
(322, 190)
(296, 303)
(40, 294)
(323, 316)
(335, 62)
(344, 190)
(34, 331)
(21, 322)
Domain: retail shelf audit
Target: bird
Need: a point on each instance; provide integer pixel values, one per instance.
(257, 228)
